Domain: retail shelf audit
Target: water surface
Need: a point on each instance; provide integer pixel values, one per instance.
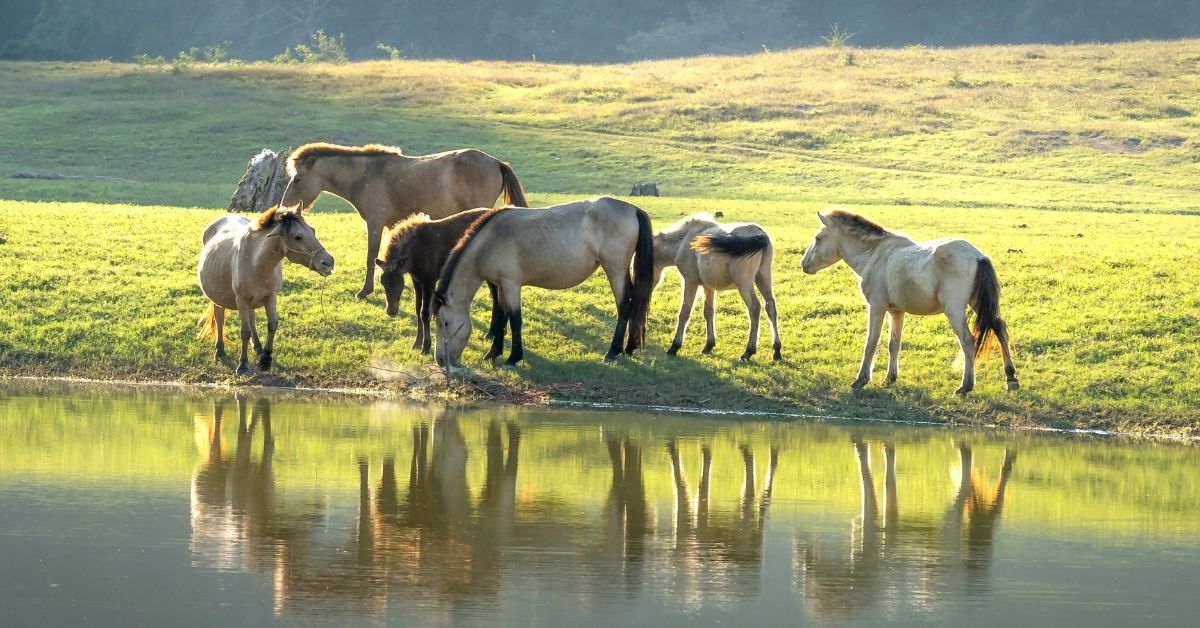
(143, 507)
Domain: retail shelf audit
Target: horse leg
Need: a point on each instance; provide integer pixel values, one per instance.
(690, 289)
(510, 296)
(753, 310)
(247, 315)
(255, 341)
(265, 359)
(419, 313)
(374, 234)
(894, 330)
(497, 334)
(874, 327)
(763, 281)
(617, 280)
(958, 322)
(499, 320)
(219, 319)
(426, 315)
(1010, 371)
(710, 319)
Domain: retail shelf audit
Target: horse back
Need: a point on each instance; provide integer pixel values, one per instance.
(443, 184)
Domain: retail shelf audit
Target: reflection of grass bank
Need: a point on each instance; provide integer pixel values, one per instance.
(1102, 336)
(98, 435)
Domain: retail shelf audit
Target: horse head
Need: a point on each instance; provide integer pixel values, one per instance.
(824, 250)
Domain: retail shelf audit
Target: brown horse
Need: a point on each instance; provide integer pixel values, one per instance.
(385, 186)
(419, 246)
(554, 248)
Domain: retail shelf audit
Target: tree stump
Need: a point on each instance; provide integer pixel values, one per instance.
(263, 184)
(644, 189)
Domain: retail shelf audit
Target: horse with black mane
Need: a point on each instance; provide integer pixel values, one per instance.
(554, 248)
(386, 186)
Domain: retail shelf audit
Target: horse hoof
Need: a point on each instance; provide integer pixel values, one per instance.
(891, 379)
(962, 391)
(858, 384)
(777, 356)
(264, 363)
(219, 355)
(1013, 384)
(365, 292)
(512, 361)
(674, 349)
(707, 349)
(241, 369)
(746, 357)
(610, 357)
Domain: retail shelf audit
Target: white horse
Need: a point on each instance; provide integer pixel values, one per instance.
(901, 276)
(719, 257)
(241, 268)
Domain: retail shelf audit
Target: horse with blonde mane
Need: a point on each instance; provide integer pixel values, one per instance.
(554, 248)
(385, 186)
(241, 268)
(900, 276)
(717, 257)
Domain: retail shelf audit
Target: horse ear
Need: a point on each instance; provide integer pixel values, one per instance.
(380, 263)
(825, 219)
(439, 299)
(277, 231)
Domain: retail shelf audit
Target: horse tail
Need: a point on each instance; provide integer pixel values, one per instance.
(641, 285)
(731, 244)
(985, 301)
(208, 323)
(514, 194)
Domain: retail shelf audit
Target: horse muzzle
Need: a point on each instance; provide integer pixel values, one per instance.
(323, 265)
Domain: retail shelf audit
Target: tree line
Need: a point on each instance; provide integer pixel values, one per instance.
(582, 31)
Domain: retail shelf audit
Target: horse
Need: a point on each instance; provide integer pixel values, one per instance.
(419, 246)
(241, 268)
(385, 186)
(900, 276)
(554, 248)
(719, 257)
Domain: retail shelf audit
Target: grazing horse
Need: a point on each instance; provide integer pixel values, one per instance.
(419, 246)
(900, 276)
(719, 257)
(241, 268)
(385, 186)
(554, 248)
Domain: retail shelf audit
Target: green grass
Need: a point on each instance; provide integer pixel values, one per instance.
(1074, 170)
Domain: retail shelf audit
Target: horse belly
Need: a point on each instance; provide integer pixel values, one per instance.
(215, 273)
(715, 272)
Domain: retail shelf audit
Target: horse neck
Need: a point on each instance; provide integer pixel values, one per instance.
(667, 243)
(466, 280)
(858, 251)
(263, 254)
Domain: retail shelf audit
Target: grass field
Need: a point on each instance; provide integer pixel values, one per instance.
(1073, 167)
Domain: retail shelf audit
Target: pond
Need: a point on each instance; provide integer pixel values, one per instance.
(139, 506)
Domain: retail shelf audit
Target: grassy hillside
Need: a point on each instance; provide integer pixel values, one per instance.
(1073, 167)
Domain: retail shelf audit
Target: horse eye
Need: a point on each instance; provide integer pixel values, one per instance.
(297, 238)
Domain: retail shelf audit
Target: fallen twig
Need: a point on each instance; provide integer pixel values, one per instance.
(47, 176)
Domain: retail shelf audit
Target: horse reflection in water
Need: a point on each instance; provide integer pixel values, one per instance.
(916, 563)
(235, 518)
(718, 555)
(430, 541)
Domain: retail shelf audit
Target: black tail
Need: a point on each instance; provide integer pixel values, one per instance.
(731, 244)
(641, 285)
(514, 194)
(985, 300)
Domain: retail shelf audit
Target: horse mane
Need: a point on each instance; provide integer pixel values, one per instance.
(277, 215)
(858, 226)
(309, 153)
(457, 252)
(687, 220)
(402, 232)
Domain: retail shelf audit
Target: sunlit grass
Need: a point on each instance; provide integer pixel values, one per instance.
(1073, 167)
